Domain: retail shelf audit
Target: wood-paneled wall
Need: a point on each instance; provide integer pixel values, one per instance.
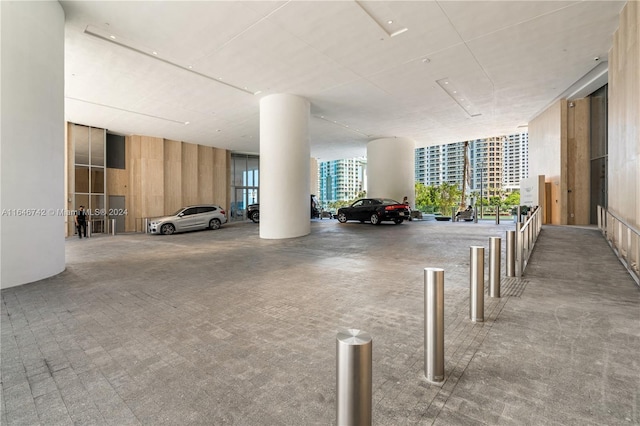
(624, 117)
(162, 175)
(578, 162)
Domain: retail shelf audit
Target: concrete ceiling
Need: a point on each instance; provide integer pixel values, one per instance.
(364, 77)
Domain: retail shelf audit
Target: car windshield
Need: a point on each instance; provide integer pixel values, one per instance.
(178, 211)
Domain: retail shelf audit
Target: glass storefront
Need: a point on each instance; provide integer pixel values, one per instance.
(245, 172)
(90, 183)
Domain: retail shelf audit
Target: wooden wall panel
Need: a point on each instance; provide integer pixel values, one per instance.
(624, 117)
(152, 150)
(578, 162)
(134, 199)
(205, 174)
(220, 178)
(189, 174)
(172, 176)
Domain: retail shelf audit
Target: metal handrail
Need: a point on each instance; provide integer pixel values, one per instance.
(623, 239)
(526, 237)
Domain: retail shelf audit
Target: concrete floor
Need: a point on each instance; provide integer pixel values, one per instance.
(221, 327)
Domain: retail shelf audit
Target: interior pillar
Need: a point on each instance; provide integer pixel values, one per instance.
(32, 133)
(284, 167)
(391, 169)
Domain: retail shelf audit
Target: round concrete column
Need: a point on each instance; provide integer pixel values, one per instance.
(32, 133)
(391, 169)
(284, 167)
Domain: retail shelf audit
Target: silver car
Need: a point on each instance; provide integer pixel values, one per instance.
(190, 218)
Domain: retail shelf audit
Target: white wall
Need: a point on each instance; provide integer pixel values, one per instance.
(31, 141)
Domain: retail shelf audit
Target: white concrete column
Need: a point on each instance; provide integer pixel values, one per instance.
(391, 169)
(32, 142)
(284, 167)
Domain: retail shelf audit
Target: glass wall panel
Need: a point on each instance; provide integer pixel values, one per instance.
(81, 140)
(244, 184)
(97, 180)
(82, 179)
(97, 147)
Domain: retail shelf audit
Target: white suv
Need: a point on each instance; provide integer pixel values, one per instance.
(190, 218)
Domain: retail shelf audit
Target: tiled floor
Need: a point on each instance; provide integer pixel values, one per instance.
(221, 327)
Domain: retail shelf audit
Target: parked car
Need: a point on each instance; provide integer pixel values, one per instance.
(190, 218)
(253, 210)
(374, 210)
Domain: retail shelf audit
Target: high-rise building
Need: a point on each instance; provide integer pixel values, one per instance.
(341, 179)
(496, 164)
(515, 160)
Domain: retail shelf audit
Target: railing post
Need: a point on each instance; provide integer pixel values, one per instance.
(510, 262)
(353, 378)
(434, 324)
(518, 213)
(494, 266)
(519, 245)
(476, 284)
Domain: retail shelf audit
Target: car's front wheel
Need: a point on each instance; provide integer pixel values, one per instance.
(167, 229)
(342, 218)
(398, 221)
(255, 217)
(375, 219)
(214, 224)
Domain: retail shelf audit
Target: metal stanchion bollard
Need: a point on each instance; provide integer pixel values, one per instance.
(113, 226)
(497, 216)
(476, 284)
(494, 266)
(519, 249)
(145, 222)
(510, 262)
(475, 215)
(353, 378)
(434, 324)
(88, 229)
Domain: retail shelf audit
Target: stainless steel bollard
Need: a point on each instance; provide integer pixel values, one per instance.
(494, 266)
(519, 249)
(475, 215)
(434, 324)
(88, 229)
(510, 262)
(113, 226)
(497, 216)
(353, 378)
(145, 222)
(476, 284)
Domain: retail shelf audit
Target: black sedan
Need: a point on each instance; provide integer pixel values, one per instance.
(374, 210)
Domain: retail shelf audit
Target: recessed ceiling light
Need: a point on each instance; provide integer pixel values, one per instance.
(426, 60)
(219, 78)
(154, 52)
(258, 92)
(186, 122)
(389, 21)
(190, 67)
(455, 91)
(112, 37)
